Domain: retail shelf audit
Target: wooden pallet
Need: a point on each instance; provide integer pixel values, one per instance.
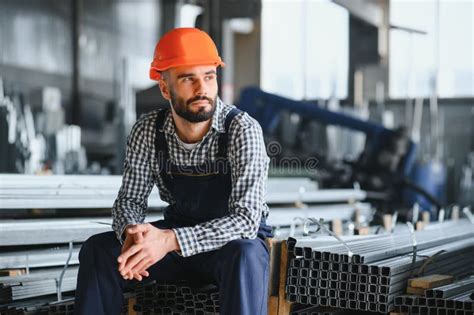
(277, 303)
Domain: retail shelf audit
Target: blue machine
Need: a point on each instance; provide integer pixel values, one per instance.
(384, 148)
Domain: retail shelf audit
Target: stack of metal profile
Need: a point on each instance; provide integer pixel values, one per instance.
(55, 231)
(299, 309)
(36, 284)
(63, 192)
(49, 305)
(368, 273)
(27, 307)
(99, 192)
(454, 298)
(65, 307)
(153, 298)
(39, 258)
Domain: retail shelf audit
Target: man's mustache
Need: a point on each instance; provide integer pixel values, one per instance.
(199, 98)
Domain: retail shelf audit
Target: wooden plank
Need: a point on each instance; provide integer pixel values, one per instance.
(337, 227)
(362, 230)
(274, 247)
(284, 306)
(420, 225)
(429, 282)
(12, 272)
(387, 222)
(426, 218)
(131, 303)
(416, 291)
(273, 305)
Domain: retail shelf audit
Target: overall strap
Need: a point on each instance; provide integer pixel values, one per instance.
(161, 147)
(223, 137)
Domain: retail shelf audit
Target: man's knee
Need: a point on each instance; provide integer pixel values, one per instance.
(96, 246)
(251, 252)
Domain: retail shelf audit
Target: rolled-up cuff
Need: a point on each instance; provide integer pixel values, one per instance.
(187, 241)
(121, 229)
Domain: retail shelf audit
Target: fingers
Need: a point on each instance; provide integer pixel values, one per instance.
(131, 275)
(132, 262)
(138, 275)
(140, 270)
(122, 259)
(141, 274)
(143, 271)
(140, 267)
(143, 228)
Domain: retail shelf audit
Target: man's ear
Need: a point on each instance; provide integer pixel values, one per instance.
(165, 91)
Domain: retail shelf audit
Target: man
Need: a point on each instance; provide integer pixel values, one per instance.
(209, 162)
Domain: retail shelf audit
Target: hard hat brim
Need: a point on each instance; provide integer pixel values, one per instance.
(155, 71)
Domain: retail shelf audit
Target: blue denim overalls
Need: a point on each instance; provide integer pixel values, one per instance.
(240, 268)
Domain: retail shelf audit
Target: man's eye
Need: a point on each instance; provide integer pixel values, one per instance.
(209, 77)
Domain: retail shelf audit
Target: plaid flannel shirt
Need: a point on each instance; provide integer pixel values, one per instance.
(249, 169)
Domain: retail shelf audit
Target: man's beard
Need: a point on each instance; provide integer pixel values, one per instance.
(182, 108)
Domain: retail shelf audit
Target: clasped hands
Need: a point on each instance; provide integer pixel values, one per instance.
(144, 246)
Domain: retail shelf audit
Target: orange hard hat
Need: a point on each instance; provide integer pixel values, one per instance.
(184, 47)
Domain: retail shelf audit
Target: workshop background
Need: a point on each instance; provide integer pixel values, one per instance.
(367, 109)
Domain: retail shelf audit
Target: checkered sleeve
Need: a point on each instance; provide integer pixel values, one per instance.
(249, 163)
(137, 181)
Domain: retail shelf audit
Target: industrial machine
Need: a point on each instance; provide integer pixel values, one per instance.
(384, 167)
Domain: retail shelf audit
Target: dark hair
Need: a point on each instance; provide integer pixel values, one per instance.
(165, 74)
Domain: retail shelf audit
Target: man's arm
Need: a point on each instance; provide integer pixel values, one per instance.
(132, 201)
(249, 163)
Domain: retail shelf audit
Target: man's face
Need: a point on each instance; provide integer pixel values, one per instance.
(192, 91)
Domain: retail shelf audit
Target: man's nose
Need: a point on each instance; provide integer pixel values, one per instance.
(200, 88)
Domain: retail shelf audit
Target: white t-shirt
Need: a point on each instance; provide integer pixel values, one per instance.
(187, 146)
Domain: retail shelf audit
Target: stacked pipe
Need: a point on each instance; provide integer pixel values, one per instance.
(454, 298)
(179, 298)
(367, 273)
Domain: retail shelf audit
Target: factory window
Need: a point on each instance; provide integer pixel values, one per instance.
(414, 56)
(305, 49)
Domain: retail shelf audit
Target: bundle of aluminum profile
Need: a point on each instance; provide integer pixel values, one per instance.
(36, 258)
(367, 273)
(36, 284)
(299, 309)
(54, 231)
(32, 306)
(49, 305)
(453, 298)
(180, 298)
(66, 307)
(19, 191)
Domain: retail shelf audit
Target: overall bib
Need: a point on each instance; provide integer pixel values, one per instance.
(201, 193)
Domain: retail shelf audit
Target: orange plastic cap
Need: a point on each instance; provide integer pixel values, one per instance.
(184, 47)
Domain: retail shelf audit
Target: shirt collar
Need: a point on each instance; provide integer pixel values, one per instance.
(218, 120)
